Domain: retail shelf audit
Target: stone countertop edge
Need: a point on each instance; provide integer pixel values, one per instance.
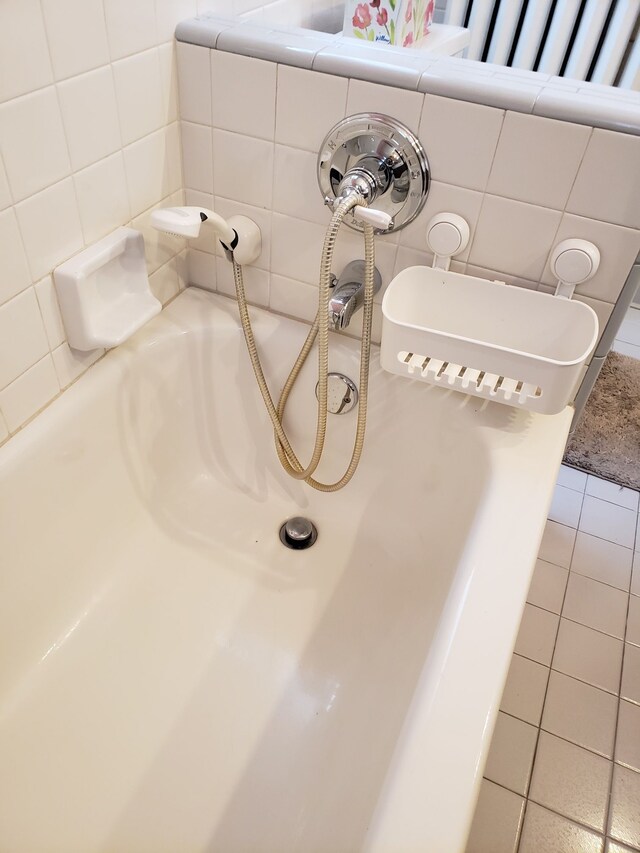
(463, 79)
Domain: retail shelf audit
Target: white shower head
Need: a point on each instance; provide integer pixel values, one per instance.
(240, 236)
(181, 221)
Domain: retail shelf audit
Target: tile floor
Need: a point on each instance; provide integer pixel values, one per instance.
(627, 340)
(563, 773)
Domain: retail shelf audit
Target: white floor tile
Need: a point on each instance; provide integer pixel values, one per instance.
(624, 817)
(628, 736)
(631, 674)
(614, 847)
(566, 506)
(626, 349)
(580, 713)
(571, 781)
(608, 521)
(572, 478)
(603, 561)
(497, 819)
(548, 586)
(596, 605)
(546, 832)
(523, 695)
(598, 488)
(557, 544)
(635, 579)
(633, 621)
(537, 634)
(511, 755)
(588, 655)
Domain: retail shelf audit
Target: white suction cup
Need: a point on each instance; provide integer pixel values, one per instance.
(573, 262)
(447, 236)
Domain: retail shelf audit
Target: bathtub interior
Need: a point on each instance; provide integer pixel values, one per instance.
(169, 648)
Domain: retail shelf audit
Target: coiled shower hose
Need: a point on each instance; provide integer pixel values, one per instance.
(319, 330)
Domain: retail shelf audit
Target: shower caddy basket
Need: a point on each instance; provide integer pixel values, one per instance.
(487, 339)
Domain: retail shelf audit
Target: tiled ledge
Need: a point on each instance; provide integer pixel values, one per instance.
(462, 79)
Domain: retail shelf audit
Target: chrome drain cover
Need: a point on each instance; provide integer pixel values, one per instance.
(298, 533)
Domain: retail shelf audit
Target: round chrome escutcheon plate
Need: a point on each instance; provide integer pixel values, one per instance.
(358, 141)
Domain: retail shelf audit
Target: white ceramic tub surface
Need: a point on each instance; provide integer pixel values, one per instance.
(172, 678)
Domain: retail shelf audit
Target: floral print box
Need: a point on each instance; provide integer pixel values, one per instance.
(399, 22)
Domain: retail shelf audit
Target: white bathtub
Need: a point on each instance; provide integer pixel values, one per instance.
(174, 679)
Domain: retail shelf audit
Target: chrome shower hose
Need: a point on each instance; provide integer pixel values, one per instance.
(319, 330)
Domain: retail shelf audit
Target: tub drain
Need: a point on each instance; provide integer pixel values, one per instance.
(298, 533)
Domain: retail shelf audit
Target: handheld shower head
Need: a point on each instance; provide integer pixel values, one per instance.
(240, 236)
(181, 221)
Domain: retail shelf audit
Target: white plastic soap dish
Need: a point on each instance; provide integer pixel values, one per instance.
(104, 292)
(486, 338)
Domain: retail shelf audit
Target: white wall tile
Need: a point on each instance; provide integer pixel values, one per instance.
(5, 193)
(77, 35)
(24, 50)
(139, 94)
(202, 269)
(295, 248)
(33, 158)
(147, 170)
(70, 364)
(90, 116)
(173, 157)
(169, 81)
(50, 310)
(309, 104)
(103, 200)
(4, 429)
(443, 198)
(14, 274)
(22, 337)
(197, 154)
(295, 185)
(194, 83)
(460, 140)
(50, 227)
(293, 298)
(243, 94)
(131, 27)
(514, 237)
(537, 159)
(164, 283)
(608, 182)
(243, 168)
(401, 104)
(169, 13)
(618, 249)
(29, 393)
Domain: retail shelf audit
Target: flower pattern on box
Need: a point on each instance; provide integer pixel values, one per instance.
(397, 22)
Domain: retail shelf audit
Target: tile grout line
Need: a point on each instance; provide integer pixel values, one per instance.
(544, 701)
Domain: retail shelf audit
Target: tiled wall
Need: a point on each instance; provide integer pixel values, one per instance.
(522, 182)
(293, 13)
(89, 140)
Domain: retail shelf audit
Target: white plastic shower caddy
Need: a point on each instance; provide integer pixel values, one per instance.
(485, 338)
